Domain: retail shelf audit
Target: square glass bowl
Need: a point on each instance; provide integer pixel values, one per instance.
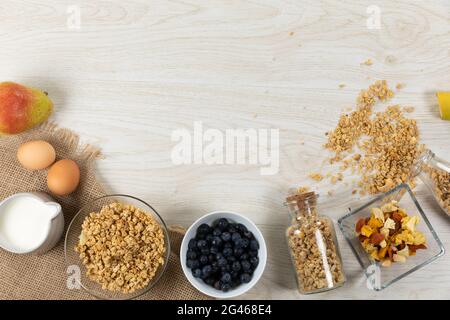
(381, 277)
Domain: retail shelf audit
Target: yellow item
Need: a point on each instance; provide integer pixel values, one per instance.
(374, 223)
(377, 213)
(382, 253)
(404, 237)
(444, 104)
(366, 231)
(419, 238)
(374, 255)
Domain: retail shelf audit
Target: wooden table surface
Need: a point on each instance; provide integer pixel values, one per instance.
(132, 72)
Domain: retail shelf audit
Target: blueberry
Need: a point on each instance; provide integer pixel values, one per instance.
(241, 228)
(215, 267)
(236, 266)
(253, 253)
(203, 229)
(226, 236)
(226, 277)
(244, 256)
(235, 236)
(214, 250)
(246, 265)
(217, 232)
(211, 258)
(225, 268)
(254, 261)
(228, 245)
(245, 278)
(201, 244)
(225, 287)
(205, 251)
(248, 235)
(245, 243)
(203, 260)
(254, 245)
(191, 254)
(235, 275)
(222, 224)
(197, 273)
(206, 271)
(210, 281)
(194, 264)
(218, 256)
(209, 238)
(192, 244)
(200, 236)
(232, 228)
(239, 243)
(217, 241)
(227, 252)
(217, 285)
(222, 262)
(238, 252)
(231, 259)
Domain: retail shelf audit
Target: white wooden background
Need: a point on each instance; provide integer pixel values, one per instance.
(138, 69)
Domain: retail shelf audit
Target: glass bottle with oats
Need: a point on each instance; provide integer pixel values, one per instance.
(435, 173)
(313, 246)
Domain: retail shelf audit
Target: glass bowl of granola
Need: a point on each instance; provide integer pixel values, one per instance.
(116, 248)
(391, 237)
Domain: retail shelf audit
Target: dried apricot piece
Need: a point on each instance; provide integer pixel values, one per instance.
(361, 222)
(382, 252)
(366, 231)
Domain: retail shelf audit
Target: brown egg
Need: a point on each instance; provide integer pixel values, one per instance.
(63, 177)
(35, 155)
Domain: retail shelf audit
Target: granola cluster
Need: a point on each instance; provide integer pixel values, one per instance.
(389, 234)
(121, 247)
(387, 142)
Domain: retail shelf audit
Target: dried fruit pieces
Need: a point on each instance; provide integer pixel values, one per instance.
(389, 234)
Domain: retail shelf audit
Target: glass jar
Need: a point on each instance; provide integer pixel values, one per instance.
(313, 246)
(435, 174)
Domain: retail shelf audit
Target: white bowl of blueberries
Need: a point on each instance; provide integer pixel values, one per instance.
(223, 254)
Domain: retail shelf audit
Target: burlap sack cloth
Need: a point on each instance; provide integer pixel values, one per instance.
(44, 277)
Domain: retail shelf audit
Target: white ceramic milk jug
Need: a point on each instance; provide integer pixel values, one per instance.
(30, 223)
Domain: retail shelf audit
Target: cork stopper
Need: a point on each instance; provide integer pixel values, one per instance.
(302, 202)
(302, 198)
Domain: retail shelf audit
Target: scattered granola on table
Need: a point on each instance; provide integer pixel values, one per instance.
(389, 234)
(368, 62)
(121, 247)
(302, 189)
(316, 176)
(312, 246)
(388, 142)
